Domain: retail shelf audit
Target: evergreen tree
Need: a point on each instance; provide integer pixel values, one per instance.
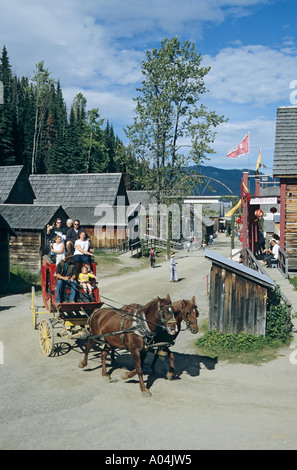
(6, 112)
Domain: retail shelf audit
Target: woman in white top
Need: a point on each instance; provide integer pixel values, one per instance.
(82, 250)
(58, 248)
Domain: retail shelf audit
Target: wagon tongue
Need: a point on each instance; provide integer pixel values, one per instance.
(66, 307)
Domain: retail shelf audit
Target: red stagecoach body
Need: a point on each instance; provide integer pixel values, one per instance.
(49, 283)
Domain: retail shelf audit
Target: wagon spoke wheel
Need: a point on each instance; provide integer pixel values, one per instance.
(46, 337)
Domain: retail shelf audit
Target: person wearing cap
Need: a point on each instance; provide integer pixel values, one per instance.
(271, 253)
(66, 277)
(173, 270)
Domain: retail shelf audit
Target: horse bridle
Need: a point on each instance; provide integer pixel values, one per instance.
(187, 313)
(161, 314)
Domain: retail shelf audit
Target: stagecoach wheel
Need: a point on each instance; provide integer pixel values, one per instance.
(34, 308)
(46, 337)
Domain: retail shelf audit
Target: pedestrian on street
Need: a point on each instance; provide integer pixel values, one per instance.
(173, 270)
(153, 257)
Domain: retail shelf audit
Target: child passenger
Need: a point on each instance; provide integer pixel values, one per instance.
(84, 278)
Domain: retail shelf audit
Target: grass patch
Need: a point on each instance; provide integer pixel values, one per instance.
(22, 280)
(293, 281)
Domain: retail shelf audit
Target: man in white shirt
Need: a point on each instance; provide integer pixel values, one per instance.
(271, 253)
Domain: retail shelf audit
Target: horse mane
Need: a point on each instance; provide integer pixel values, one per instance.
(147, 306)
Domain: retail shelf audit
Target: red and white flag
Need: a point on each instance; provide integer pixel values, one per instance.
(241, 149)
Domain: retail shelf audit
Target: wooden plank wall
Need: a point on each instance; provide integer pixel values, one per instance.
(291, 224)
(26, 249)
(236, 304)
(4, 260)
(106, 238)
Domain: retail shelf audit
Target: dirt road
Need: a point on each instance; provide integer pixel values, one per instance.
(49, 403)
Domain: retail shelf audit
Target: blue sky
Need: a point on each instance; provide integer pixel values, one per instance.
(96, 47)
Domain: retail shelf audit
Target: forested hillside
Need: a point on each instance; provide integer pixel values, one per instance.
(37, 131)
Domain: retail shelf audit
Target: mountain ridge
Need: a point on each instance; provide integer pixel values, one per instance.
(220, 182)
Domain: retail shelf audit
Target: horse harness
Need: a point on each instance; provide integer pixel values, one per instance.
(139, 326)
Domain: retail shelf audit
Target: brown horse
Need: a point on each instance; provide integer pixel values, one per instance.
(187, 311)
(121, 329)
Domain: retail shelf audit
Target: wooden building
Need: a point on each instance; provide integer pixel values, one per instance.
(238, 296)
(5, 233)
(285, 168)
(97, 200)
(29, 223)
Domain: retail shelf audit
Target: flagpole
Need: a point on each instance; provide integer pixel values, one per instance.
(249, 153)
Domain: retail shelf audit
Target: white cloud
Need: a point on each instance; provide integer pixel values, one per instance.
(257, 75)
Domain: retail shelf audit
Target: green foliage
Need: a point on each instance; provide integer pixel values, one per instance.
(293, 281)
(278, 321)
(22, 279)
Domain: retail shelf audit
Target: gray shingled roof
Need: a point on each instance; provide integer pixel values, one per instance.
(142, 197)
(285, 150)
(5, 225)
(8, 177)
(98, 216)
(28, 216)
(77, 190)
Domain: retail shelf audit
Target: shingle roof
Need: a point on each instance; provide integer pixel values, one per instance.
(5, 225)
(8, 177)
(98, 216)
(78, 190)
(28, 216)
(142, 197)
(285, 150)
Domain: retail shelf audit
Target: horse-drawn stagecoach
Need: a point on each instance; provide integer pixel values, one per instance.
(66, 318)
(136, 328)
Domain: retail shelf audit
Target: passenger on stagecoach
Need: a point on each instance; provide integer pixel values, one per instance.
(83, 251)
(66, 274)
(56, 229)
(73, 234)
(84, 281)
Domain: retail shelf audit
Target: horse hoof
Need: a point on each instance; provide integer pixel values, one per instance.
(106, 378)
(81, 365)
(169, 375)
(146, 393)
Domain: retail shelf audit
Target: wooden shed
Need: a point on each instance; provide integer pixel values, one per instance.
(94, 199)
(285, 168)
(5, 233)
(238, 296)
(29, 223)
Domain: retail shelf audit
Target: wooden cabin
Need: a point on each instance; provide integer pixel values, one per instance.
(238, 296)
(5, 233)
(97, 200)
(285, 168)
(29, 223)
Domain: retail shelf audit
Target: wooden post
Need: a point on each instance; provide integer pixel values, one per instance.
(245, 213)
